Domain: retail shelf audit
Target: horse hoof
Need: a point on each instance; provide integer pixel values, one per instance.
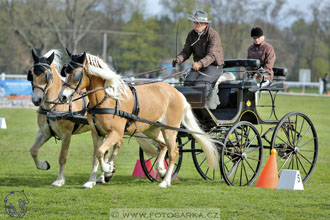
(108, 178)
(48, 165)
(58, 183)
(162, 173)
(164, 184)
(89, 185)
(101, 179)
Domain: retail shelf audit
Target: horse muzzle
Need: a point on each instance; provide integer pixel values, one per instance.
(65, 96)
(37, 99)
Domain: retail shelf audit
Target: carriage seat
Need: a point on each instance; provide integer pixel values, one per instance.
(253, 63)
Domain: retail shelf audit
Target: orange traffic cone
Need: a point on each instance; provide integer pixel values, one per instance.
(269, 175)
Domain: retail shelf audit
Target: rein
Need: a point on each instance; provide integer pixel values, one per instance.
(160, 80)
(131, 116)
(143, 73)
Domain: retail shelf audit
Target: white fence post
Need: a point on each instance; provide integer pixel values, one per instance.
(3, 76)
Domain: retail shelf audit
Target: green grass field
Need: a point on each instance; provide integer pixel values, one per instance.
(18, 172)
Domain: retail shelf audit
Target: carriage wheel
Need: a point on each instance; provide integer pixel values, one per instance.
(241, 156)
(295, 140)
(150, 161)
(201, 164)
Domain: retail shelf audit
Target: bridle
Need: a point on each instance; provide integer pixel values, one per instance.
(77, 77)
(49, 76)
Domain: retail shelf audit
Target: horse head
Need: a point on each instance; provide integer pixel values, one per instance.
(40, 76)
(75, 73)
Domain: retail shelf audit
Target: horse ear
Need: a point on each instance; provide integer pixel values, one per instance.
(35, 56)
(51, 58)
(68, 52)
(84, 57)
(81, 59)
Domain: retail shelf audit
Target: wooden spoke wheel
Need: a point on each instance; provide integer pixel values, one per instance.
(241, 156)
(201, 164)
(296, 143)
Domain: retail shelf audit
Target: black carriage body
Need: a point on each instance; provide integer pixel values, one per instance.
(237, 98)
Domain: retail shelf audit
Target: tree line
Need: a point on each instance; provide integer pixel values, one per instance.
(124, 34)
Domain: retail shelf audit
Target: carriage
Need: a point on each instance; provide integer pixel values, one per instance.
(242, 132)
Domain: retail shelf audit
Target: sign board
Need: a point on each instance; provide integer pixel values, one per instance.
(290, 179)
(3, 123)
(15, 87)
(305, 75)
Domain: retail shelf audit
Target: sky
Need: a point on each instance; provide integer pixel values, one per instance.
(153, 6)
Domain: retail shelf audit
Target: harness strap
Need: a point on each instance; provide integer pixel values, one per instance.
(127, 115)
(82, 113)
(52, 132)
(93, 115)
(136, 108)
(97, 130)
(45, 112)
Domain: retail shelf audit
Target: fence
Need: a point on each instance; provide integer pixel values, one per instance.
(304, 87)
(15, 90)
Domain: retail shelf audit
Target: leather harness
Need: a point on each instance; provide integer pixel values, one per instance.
(56, 115)
(132, 117)
(135, 112)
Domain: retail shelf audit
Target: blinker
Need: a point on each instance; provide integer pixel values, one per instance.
(30, 76)
(39, 70)
(77, 76)
(63, 71)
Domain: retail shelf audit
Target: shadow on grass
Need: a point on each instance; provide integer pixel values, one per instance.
(30, 180)
(77, 180)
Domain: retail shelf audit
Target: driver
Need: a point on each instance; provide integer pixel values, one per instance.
(205, 45)
(264, 52)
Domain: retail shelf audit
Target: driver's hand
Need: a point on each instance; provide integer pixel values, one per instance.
(175, 62)
(196, 66)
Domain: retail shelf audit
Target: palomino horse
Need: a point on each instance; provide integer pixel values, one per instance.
(158, 102)
(47, 83)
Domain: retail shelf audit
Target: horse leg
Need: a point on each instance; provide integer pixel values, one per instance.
(160, 166)
(97, 141)
(41, 138)
(170, 139)
(154, 146)
(102, 178)
(66, 138)
(114, 138)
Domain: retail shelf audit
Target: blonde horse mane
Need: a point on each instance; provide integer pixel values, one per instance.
(57, 60)
(113, 82)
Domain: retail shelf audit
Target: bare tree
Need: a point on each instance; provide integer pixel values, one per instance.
(324, 26)
(79, 15)
(25, 19)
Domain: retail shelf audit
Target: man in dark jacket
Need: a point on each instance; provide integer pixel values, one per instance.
(264, 52)
(205, 45)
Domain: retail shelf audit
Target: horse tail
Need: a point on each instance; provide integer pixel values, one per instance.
(208, 144)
